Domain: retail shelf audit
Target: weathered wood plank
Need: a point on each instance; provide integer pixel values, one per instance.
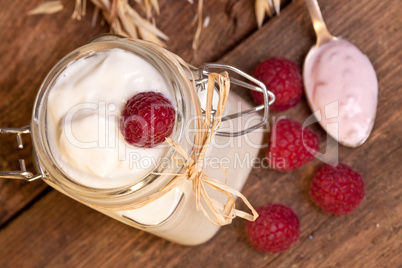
(370, 237)
(59, 231)
(30, 46)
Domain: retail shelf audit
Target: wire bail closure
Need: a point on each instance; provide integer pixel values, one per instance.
(256, 85)
(21, 174)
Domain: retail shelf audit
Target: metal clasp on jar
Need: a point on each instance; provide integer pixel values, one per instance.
(21, 174)
(256, 85)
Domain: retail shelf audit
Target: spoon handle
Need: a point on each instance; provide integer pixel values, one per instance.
(323, 35)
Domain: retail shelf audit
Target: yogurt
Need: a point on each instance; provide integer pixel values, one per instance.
(341, 84)
(83, 111)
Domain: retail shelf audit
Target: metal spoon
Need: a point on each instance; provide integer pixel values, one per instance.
(340, 84)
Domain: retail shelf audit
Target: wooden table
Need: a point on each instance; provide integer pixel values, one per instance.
(39, 227)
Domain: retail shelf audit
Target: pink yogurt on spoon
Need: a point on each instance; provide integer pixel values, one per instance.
(341, 87)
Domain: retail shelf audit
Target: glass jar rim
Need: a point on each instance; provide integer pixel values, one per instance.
(150, 183)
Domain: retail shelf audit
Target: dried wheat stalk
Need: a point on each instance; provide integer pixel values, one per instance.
(119, 14)
(197, 19)
(48, 7)
(269, 7)
(125, 20)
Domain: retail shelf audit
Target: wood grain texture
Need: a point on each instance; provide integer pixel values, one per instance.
(30, 46)
(56, 231)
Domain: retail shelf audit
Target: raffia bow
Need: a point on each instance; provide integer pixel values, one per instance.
(216, 212)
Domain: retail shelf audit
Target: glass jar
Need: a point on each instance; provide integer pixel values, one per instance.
(173, 216)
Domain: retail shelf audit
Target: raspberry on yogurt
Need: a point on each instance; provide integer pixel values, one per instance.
(147, 119)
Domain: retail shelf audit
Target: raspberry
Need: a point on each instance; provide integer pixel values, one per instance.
(275, 230)
(337, 190)
(283, 78)
(147, 119)
(291, 146)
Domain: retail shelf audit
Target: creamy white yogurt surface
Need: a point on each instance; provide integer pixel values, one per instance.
(84, 106)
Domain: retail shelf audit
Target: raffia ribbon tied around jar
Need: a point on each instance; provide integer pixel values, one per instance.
(216, 212)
